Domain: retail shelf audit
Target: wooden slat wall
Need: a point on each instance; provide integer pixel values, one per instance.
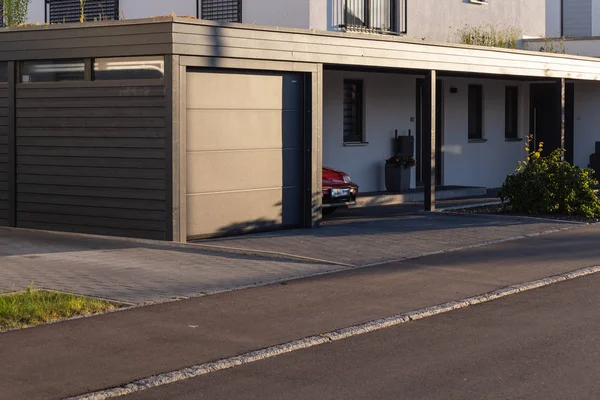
(3, 155)
(92, 159)
(187, 37)
(191, 38)
(94, 39)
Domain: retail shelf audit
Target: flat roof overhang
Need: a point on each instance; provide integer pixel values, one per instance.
(193, 38)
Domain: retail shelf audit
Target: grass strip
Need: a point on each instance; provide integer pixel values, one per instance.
(33, 307)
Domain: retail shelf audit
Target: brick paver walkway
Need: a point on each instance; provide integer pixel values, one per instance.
(136, 272)
(370, 241)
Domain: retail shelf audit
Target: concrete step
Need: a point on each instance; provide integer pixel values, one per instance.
(414, 196)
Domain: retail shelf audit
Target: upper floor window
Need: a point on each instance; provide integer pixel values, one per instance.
(62, 11)
(222, 10)
(1, 13)
(382, 16)
(53, 71)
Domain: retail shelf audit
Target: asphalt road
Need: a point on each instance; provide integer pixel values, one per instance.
(543, 344)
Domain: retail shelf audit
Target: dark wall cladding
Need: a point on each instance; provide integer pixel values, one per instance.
(92, 159)
(62, 11)
(3, 155)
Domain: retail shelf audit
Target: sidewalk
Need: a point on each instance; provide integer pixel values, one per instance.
(75, 357)
(136, 272)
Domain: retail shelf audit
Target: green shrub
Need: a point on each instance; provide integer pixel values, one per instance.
(549, 185)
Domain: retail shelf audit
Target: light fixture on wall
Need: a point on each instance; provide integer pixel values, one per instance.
(453, 90)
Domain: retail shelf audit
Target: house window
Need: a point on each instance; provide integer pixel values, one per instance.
(119, 68)
(1, 13)
(3, 72)
(353, 111)
(511, 116)
(222, 10)
(383, 16)
(475, 112)
(62, 11)
(53, 71)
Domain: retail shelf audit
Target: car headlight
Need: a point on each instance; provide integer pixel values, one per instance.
(347, 179)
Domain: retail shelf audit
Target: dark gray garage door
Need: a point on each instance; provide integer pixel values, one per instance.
(244, 152)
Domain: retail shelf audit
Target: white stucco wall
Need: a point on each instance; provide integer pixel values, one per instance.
(438, 20)
(287, 13)
(481, 164)
(580, 47)
(132, 9)
(553, 17)
(595, 18)
(587, 121)
(36, 11)
(430, 19)
(390, 105)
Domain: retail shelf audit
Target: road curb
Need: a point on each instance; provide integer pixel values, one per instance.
(328, 337)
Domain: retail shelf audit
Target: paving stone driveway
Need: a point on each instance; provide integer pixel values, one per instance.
(145, 272)
(362, 242)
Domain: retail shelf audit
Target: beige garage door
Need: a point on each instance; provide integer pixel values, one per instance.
(244, 152)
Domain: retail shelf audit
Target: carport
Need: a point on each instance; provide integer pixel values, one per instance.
(177, 129)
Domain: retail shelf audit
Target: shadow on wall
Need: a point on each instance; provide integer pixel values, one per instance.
(216, 47)
(286, 220)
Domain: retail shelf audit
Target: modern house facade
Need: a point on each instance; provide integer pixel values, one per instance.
(430, 20)
(174, 129)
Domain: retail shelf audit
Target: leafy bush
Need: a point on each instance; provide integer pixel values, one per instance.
(549, 185)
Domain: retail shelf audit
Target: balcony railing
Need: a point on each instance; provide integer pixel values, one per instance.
(377, 16)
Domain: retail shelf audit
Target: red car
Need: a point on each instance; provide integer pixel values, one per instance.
(338, 190)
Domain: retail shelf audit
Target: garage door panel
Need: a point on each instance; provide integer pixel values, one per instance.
(243, 129)
(245, 140)
(225, 213)
(235, 91)
(218, 171)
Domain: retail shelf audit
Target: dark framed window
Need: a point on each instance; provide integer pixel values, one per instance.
(353, 111)
(53, 70)
(222, 10)
(3, 72)
(63, 11)
(118, 68)
(511, 110)
(1, 14)
(475, 112)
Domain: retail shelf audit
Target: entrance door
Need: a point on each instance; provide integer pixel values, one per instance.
(544, 123)
(439, 133)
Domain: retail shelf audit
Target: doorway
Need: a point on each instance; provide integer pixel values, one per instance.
(543, 122)
(439, 132)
